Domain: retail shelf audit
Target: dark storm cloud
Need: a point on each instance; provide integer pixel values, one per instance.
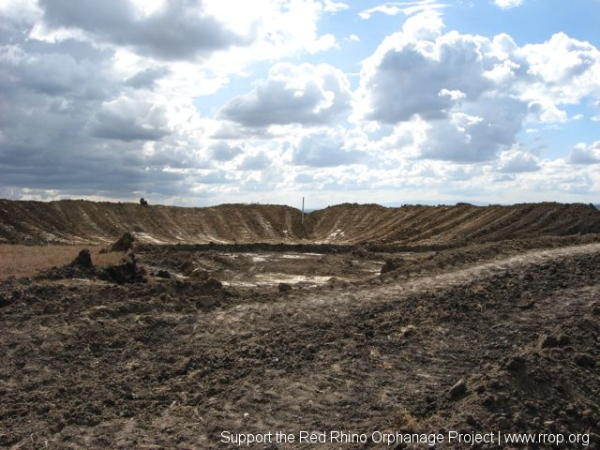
(176, 31)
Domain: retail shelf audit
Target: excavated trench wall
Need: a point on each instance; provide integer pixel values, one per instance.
(78, 222)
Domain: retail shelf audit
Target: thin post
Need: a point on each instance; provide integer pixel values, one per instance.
(302, 210)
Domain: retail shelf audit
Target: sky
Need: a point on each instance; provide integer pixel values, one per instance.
(203, 102)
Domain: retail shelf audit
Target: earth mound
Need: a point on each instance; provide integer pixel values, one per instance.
(84, 222)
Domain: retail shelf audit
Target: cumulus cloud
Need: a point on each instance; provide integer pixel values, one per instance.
(146, 78)
(582, 154)
(223, 151)
(324, 149)
(561, 71)
(410, 76)
(258, 161)
(488, 126)
(517, 161)
(177, 30)
(472, 93)
(128, 120)
(304, 94)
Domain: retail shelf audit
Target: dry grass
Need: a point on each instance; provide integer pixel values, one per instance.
(26, 261)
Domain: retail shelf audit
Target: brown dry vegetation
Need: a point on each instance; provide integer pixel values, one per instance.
(27, 260)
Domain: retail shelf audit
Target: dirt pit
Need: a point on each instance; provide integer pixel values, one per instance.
(207, 350)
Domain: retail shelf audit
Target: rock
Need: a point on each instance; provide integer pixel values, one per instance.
(516, 364)
(124, 243)
(563, 340)
(83, 259)
(585, 360)
(128, 272)
(460, 388)
(284, 287)
(163, 274)
(4, 301)
(548, 341)
(503, 423)
(213, 283)
(392, 264)
(206, 301)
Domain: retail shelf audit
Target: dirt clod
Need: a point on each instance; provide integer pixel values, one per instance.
(83, 259)
(585, 360)
(124, 243)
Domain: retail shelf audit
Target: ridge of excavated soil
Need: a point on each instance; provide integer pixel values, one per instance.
(85, 222)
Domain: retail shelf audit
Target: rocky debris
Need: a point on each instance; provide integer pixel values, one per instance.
(83, 259)
(4, 300)
(548, 341)
(516, 364)
(459, 389)
(585, 360)
(284, 287)
(551, 341)
(163, 274)
(127, 272)
(392, 264)
(123, 244)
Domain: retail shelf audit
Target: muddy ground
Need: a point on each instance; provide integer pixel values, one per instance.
(205, 340)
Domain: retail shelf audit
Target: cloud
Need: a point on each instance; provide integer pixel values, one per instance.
(130, 119)
(324, 149)
(304, 94)
(582, 154)
(471, 93)
(334, 7)
(177, 30)
(518, 161)
(223, 151)
(406, 8)
(258, 161)
(561, 71)
(409, 76)
(489, 126)
(507, 4)
(146, 78)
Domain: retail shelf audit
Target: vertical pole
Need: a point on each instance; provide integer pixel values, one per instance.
(302, 210)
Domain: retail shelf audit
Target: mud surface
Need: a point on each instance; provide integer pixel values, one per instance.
(197, 340)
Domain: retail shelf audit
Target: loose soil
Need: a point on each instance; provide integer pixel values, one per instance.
(488, 334)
